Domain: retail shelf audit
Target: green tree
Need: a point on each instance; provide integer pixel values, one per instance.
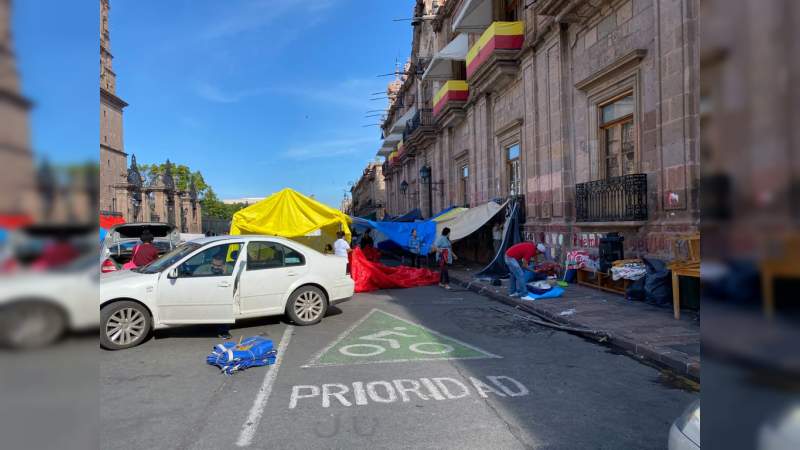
(181, 173)
(214, 207)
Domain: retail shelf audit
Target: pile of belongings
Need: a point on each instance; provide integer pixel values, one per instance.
(232, 357)
(371, 276)
(547, 268)
(580, 259)
(629, 269)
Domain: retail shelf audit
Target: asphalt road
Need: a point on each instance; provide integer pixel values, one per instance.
(415, 368)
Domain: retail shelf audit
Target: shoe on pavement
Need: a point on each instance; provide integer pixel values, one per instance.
(447, 286)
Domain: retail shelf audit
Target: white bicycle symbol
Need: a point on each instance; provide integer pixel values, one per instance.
(365, 350)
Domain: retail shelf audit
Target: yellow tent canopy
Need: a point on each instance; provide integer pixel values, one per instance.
(292, 215)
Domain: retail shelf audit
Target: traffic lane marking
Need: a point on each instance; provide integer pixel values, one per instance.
(315, 360)
(257, 410)
(426, 388)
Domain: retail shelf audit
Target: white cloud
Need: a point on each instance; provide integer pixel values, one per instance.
(328, 149)
(252, 15)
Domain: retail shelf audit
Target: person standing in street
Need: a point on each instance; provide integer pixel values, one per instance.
(366, 240)
(519, 257)
(497, 237)
(445, 256)
(414, 245)
(341, 247)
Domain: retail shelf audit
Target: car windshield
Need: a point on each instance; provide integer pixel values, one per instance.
(169, 259)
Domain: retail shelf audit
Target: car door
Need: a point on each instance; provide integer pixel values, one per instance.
(203, 290)
(271, 271)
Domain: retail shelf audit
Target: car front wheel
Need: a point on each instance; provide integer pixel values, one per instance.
(32, 324)
(124, 324)
(307, 305)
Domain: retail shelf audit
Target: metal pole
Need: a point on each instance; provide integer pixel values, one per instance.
(430, 196)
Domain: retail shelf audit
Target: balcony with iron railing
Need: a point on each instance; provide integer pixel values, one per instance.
(617, 199)
(418, 128)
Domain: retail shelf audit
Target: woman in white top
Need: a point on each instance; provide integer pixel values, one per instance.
(341, 247)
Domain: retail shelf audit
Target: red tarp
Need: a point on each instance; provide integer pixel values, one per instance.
(106, 222)
(371, 276)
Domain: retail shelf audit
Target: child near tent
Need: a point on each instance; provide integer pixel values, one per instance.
(445, 256)
(414, 246)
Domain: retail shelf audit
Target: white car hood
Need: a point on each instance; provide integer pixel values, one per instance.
(127, 284)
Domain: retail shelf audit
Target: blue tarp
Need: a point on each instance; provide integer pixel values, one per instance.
(552, 293)
(232, 357)
(400, 232)
(414, 214)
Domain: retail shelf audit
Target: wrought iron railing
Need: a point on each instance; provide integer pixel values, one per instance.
(422, 118)
(614, 199)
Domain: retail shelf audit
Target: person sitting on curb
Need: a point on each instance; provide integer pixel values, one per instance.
(518, 257)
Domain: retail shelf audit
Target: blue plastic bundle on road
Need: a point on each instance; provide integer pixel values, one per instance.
(232, 357)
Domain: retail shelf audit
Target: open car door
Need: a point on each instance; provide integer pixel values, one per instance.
(200, 288)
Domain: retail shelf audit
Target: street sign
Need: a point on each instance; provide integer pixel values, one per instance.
(381, 337)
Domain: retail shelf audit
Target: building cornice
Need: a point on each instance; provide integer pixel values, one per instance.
(112, 99)
(15, 98)
(115, 150)
(630, 59)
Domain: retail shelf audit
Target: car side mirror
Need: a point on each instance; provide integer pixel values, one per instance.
(173, 274)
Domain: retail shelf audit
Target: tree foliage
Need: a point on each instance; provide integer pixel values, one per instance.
(181, 173)
(214, 207)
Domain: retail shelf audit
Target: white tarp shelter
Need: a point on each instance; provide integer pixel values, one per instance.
(468, 222)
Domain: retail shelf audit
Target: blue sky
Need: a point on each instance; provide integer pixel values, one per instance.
(256, 94)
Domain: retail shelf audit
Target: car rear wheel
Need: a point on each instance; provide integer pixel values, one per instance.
(307, 305)
(124, 324)
(31, 325)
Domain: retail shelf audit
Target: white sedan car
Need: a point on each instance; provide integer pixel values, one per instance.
(218, 280)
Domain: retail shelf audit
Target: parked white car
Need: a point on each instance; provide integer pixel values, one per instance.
(36, 308)
(218, 280)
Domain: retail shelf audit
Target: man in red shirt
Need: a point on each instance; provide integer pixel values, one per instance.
(517, 257)
(146, 252)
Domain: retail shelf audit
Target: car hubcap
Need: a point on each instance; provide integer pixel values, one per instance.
(125, 326)
(308, 306)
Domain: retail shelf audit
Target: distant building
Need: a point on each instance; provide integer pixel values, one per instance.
(123, 191)
(369, 193)
(242, 201)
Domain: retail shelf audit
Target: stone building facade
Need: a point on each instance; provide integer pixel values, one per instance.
(369, 193)
(123, 190)
(18, 180)
(585, 110)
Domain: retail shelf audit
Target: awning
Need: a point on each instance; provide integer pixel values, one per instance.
(465, 222)
(440, 67)
(400, 124)
(389, 144)
(473, 17)
(391, 140)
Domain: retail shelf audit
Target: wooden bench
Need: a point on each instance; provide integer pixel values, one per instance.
(785, 266)
(603, 281)
(689, 267)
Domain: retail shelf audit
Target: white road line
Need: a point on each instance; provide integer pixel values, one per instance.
(254, 418)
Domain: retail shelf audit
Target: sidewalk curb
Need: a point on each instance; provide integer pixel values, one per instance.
(662, 359)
